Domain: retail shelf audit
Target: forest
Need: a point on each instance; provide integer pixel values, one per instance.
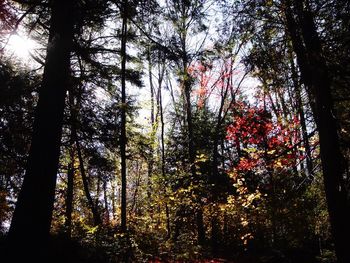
(175, 131)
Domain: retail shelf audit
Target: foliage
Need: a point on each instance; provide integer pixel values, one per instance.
(222, 146)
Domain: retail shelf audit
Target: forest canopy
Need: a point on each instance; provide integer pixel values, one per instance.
(174, 131)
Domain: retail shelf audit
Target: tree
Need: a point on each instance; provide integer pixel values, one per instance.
(186, 18)
(313, 66)
(225, 165)
(123, 115)
(32, 216)
(16, 103)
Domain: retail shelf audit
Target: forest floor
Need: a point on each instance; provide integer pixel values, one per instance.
(273, 256)
(64, 251)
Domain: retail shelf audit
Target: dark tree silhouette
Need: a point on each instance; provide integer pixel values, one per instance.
(32, 216)
(316, 75)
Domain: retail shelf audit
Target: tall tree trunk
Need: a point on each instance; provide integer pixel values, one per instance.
(301, 113)
(95, 214)
(192, 156)
(150, 161)
(75, 140)
(162, 142)
(331, 156)
(133, 207)
(214, 178)
(186, 93)
(33, 213)
(113, 196)
(98, 193)
(71, 168)
(70, 193)
(301, 54)
(215, 174)
(105, 198)
(123, 117)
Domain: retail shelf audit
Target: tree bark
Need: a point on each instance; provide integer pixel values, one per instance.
(70, 193)
(150, 161)
(123, 118)
(331, 156)
(162, 140)
(105, 198)
(192, 153)
(301, 54)
(113, 196)
(95, 214)
(33, 213)
(301, 113)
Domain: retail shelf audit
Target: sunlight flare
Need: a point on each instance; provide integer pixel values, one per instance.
(20, 46)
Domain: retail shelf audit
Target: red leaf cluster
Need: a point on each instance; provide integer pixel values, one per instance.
(265, 142)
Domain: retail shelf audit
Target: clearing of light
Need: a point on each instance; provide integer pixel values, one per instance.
(21, 47)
